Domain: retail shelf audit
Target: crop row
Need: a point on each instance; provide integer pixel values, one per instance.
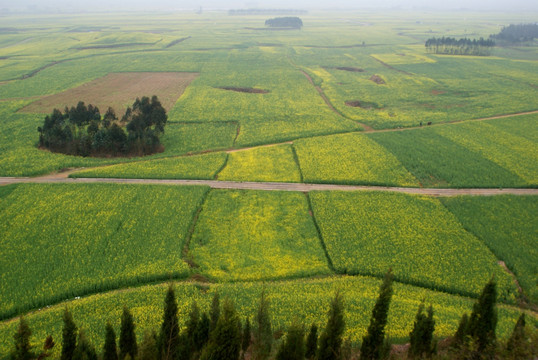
(307, 300)
(65, 240)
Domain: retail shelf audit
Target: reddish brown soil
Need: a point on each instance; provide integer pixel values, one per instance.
(352, 69)
(437, 92)
(377, 80)
(244, 90)
(118, 90)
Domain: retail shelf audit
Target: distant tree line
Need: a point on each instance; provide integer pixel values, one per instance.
(285, 22)
(266, 12)
(453, 46)
(219, 334)
(515, 34)
(82, 131)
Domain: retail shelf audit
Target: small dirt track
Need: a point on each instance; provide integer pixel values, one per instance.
(269, 186)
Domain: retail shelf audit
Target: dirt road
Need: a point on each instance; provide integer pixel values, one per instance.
(269, 186)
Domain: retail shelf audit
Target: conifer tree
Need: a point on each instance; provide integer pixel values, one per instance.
(201, 335)
(312, 342)
(69, 336)
(225, 340)
(110, 351)
(192, 325)
(517, 346)
(84, 349)
(214, 313)
(373, 342)
(147, 350)
(460, 337)
(128, 344)
(293, 346)
(47, 346)
(22, 350)
(421, 337)
(483, 321)
(169, 340)
(263, 335)
(330, 340)
(245, 343)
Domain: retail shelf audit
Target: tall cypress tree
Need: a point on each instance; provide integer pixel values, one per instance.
(330, 340)
(293, 346)
(312, 342)
(460, 337)
(201, 335)
(84, 349)
(372, 343)
(214, 313)
(22, 350)
(225, 340)
(69, 336)
(128, 344)
(169, 340)
(110, 351)
(483, 321)
(245, 343)
(263, 335)
(517, 345)
(421, 337)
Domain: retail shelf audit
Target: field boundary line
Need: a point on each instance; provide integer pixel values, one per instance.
(320, 236)
(192, 227)
(280, 186)
(166, 283)
(297, 162)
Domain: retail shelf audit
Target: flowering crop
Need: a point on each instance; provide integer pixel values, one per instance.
(507, 224)
(350, 159)
(253, 235)
(275, 163)
(367, 233)
(186, 167)
(66, 240)
(307, 300)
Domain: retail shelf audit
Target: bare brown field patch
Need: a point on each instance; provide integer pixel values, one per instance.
(377, 79)
(245, 90)
(118, 90)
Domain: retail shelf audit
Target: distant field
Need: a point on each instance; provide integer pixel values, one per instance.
(67, 240)
(273, 164)
(118, 90)
(350, 159)
(307, 300)
(368, 233)
(185, 167)
(253, 235)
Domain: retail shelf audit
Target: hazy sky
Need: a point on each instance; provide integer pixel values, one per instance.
(99, 5)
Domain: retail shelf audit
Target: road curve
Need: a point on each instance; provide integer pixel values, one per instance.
(271, 186)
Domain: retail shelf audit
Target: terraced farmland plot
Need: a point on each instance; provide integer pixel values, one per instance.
(272, 164)
(437, 161)
(350, 159)
(119, 90)
(524, 126)
(253, 235)
(186, 167)
(66, 240)
(416, 236)
(306, 299)
(515, 153)
(507, 225)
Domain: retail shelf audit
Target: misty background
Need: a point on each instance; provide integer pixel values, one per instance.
(192, 5)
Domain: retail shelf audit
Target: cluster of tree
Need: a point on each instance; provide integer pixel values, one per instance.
(219, 335)
(82, 131)
(515, 34)
(267, 12)
(285, 22)
(453, 46)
